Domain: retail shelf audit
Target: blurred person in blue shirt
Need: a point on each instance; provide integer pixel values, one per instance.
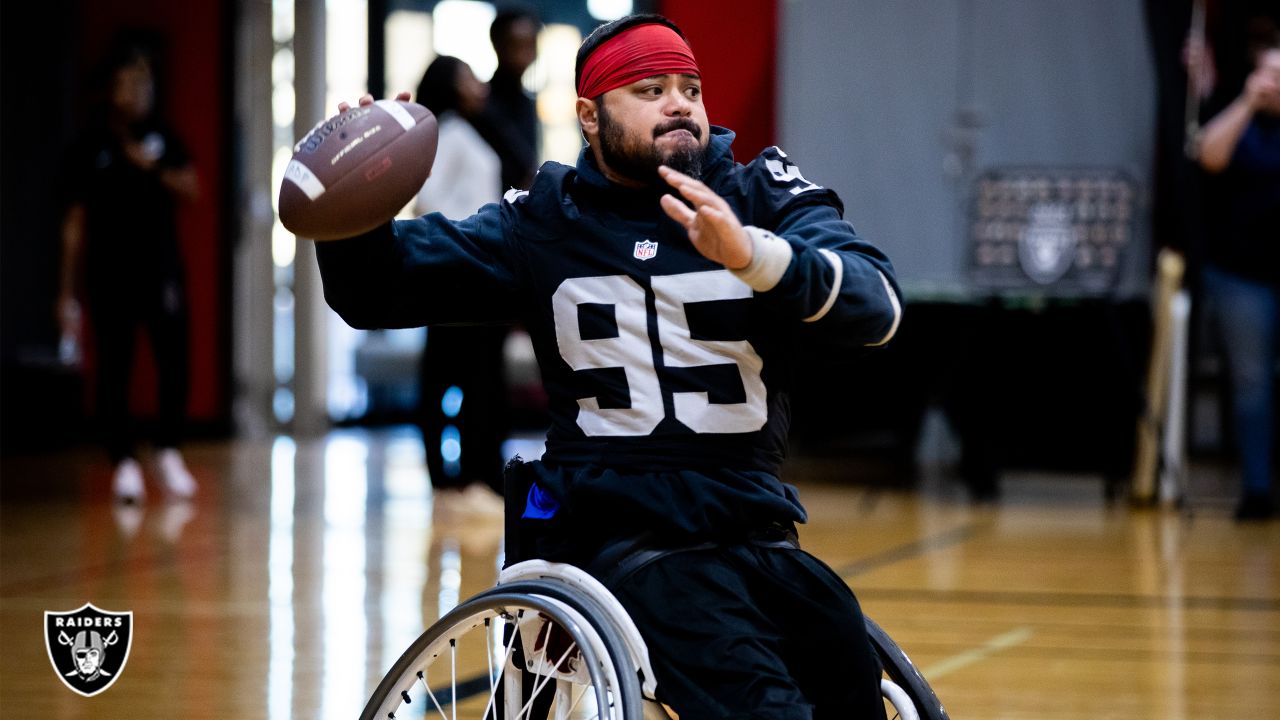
(1240, 146)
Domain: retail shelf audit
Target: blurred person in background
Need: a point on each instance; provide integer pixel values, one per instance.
(510, 118)
(127, 173)
(466, 172)
(510, 124)
(1240, 146)
(465, 410)
(463, 397)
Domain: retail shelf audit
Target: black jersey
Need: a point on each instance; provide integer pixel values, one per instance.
(667, 374)
(1245, 205)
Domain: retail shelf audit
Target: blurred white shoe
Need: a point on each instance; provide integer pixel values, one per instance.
(127, 484)
(174, 474)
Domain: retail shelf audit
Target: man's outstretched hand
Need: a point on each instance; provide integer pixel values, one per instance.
(712, 226)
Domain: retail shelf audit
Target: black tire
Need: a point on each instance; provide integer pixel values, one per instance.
(537, 596)
(899, 668)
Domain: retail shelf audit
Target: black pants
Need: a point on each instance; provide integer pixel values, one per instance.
(470, 359)
(735, 629)
(157, 305)
(751, 631)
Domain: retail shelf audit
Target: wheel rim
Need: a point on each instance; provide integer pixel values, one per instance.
(456, 670)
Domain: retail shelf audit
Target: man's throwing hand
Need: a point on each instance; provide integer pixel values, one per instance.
(367, 99)
(713, 228)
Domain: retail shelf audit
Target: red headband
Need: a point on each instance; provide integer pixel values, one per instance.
(635, 54)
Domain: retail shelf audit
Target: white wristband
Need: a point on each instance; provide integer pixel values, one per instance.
(770, 258)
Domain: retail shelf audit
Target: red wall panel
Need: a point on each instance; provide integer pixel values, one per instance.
(735, 42)
(193, 102)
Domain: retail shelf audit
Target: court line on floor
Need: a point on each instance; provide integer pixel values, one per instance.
(962, 660)
(907, 551)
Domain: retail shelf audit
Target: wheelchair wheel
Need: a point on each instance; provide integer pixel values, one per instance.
(521, 650)
(903, 686)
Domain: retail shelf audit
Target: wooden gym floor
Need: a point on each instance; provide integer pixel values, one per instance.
(303, 569)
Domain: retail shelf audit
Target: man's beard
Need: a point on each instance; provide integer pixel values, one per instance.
(640, 161)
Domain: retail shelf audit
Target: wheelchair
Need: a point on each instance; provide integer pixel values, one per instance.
(551, 641)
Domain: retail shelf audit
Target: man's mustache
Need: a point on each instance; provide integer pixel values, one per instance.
(679, 124)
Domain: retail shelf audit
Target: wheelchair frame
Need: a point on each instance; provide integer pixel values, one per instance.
(604, 652)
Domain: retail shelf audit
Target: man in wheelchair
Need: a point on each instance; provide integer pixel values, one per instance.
(671, 294)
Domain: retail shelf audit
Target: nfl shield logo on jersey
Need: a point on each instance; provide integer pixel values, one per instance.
(88, 647)
(646, 249)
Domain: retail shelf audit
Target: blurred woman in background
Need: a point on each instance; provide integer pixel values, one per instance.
(463, 411)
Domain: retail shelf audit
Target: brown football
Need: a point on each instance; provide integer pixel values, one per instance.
(356, 170)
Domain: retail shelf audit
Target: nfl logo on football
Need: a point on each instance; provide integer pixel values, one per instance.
(646, 249)
(88, 647)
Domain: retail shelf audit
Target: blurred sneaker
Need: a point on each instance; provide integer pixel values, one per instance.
(127, 484)
(174, 475)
